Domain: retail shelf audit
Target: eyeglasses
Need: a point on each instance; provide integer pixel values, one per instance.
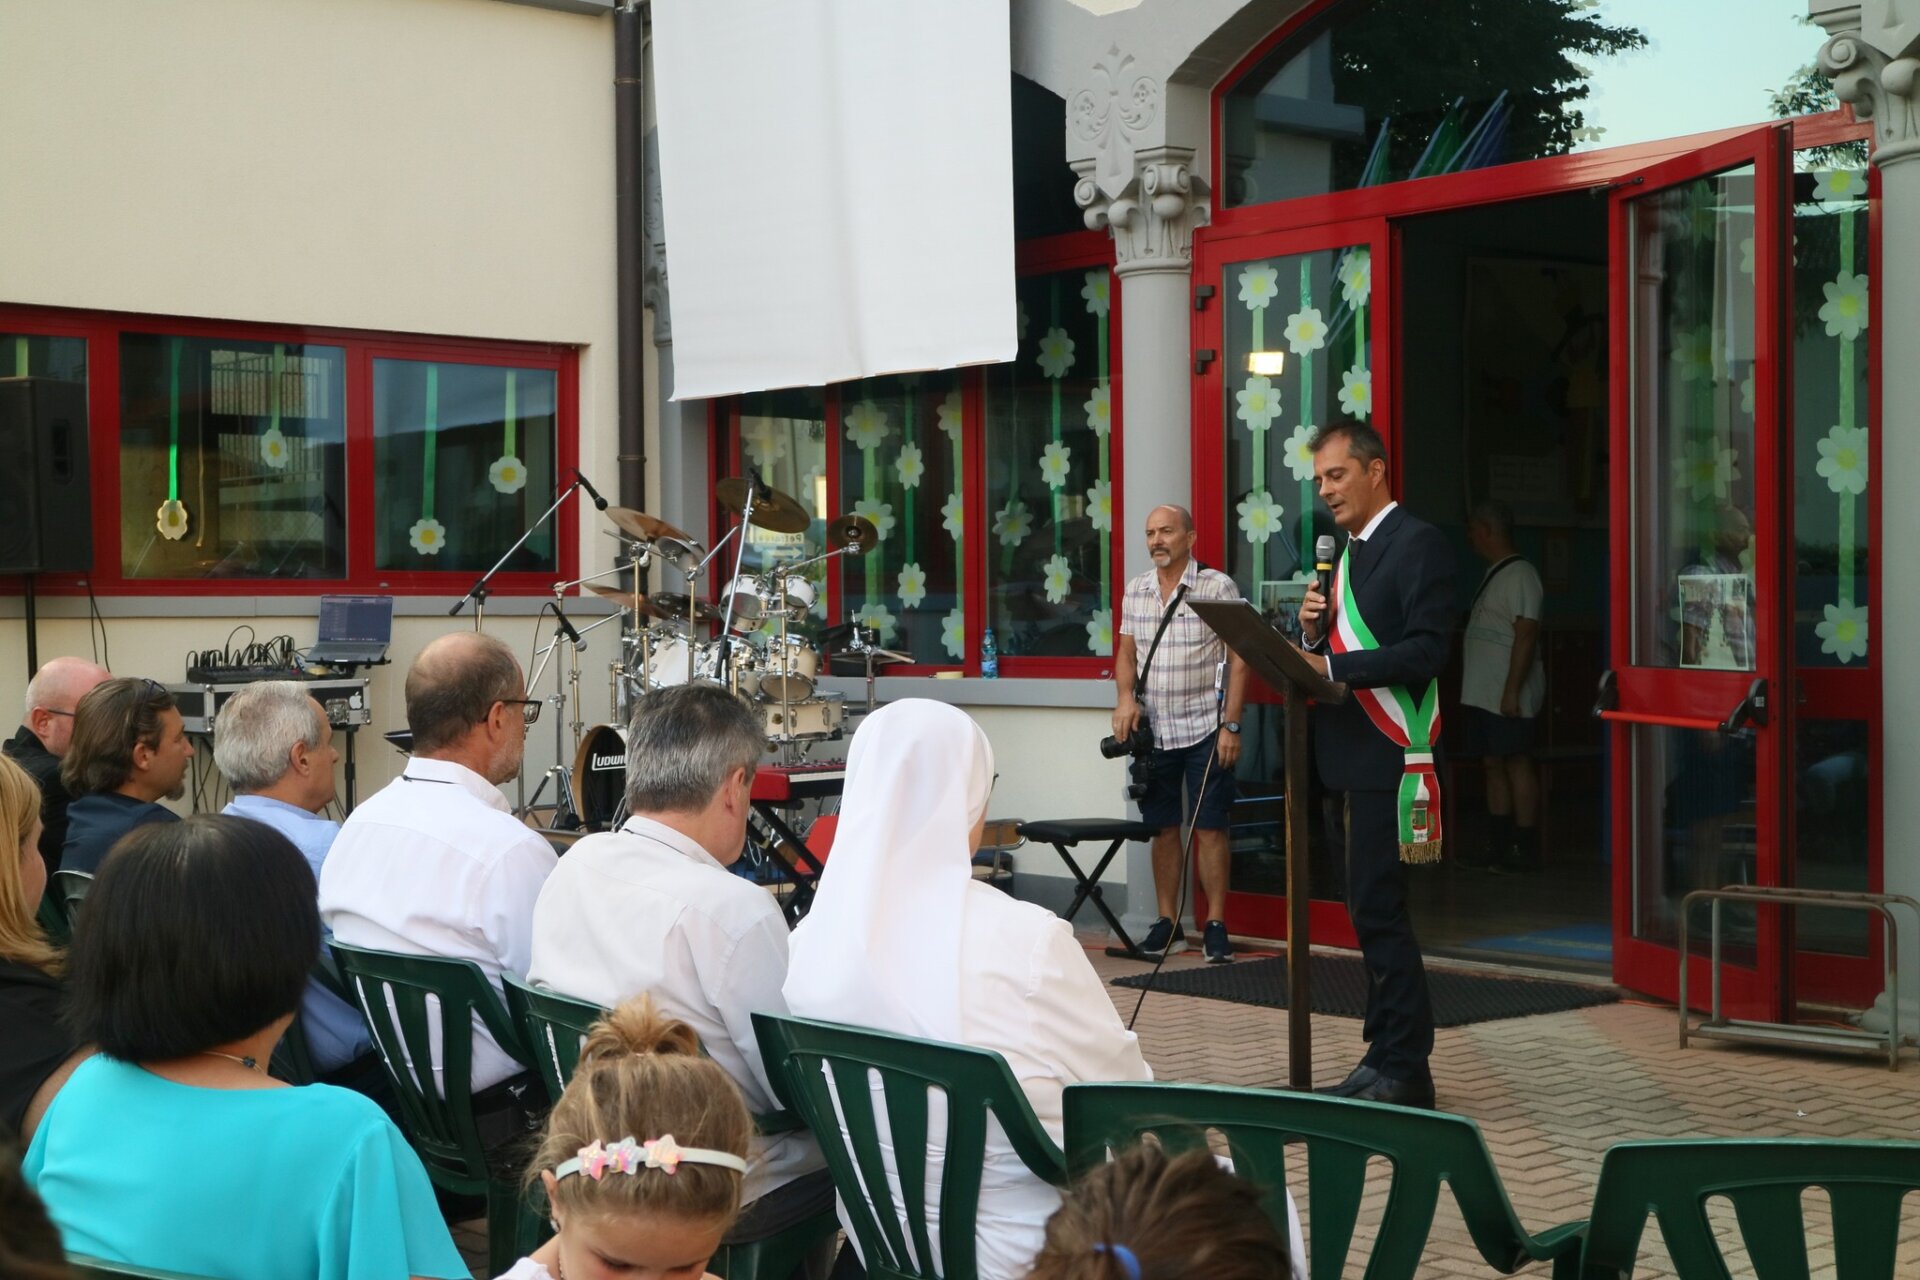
(50, 711)
(529, 707)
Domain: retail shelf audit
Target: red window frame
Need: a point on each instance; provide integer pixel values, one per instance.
(360, 347)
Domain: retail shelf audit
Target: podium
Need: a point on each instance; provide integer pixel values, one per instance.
(1282, 664)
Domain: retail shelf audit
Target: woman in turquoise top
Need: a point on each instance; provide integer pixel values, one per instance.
(173, 1148)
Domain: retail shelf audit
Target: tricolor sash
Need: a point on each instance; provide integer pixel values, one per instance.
(1412, 726)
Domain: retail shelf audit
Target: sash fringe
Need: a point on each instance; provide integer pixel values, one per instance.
(1419, 854)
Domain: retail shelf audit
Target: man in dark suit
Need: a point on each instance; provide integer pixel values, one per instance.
(52, 696)
(1384, 635)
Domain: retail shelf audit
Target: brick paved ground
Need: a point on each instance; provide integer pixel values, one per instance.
(1550, 1093)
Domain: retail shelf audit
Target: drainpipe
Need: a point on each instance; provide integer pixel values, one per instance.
(628, 103)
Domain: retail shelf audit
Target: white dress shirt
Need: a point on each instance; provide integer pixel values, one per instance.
(646, 909)
(436, 864)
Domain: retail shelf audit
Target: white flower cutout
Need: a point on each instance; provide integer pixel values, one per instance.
(1259, 403)
(1100, 505)
(1258, 286)
(876, 617)
(1057, 578)
(1844, 633)
(953, 516)
(912, 585)
(1356, 277)
(1056, 353)
(1299, 452)
(1100, 632)
(1845, 311)
(172, 519)
(953, 633)
(1843, 459)
(1837, 186)
(273, 449)
(1099, 407)
(1012, 523)
(507, 474)
(950, 415)
(1356, 393)
(1693, 353)
(427, 536)
(765, 443)
(1306, 331)
(1259, 515)
(1706, 474)
(1098, 291)
(866, 425)
(910, 466)
(880, 513)
(1055, 463)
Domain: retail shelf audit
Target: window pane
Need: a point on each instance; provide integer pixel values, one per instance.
(1831, 818)
(783, 440)
(1695, 827)
(28, 355)
(1049, 501)
(901, 467)
(232, 459)
(463, 460)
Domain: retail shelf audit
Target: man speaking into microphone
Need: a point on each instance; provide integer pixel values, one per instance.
(1383, 633)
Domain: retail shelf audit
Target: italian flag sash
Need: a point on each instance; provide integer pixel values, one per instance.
(1412, 726)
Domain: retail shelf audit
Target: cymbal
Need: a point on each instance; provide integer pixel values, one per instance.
(671, 604)
(855, 533)
(772, 509)
(645, 527)
(625, 599)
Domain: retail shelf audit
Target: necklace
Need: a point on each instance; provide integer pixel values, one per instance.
(251, 1064)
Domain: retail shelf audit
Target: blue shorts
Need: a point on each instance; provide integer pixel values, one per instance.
(1485, 733)
(1167, 771)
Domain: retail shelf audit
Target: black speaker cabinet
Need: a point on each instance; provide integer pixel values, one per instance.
(46, 508)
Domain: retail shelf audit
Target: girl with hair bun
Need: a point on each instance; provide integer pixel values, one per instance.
(643, 1155)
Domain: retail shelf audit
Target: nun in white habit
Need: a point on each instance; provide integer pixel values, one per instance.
(902, 938)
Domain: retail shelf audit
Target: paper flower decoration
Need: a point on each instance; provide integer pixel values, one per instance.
(1100, 505)
(912, 585)
(1056, 353)
(765, 443)
(1356, 393)
(910, 466)
(1298, 452)
(427, 536)
(1100, 632)
(1057, 578)
(273, 449)
(1693, 353)
(1707, 474)
(950, 416)
(1099, 408)
(953, 633)
(1098, 291)
(953, 515)
(171, 519)
(1306, 331)
(880, 513)
(1843, 459)
(1845, 311)
(876, 617)
(1259, 403)
(866, 425)
(507, 474)
(1012, 523)
(1055, 463)
(1259, 285)
(1844, 633)
(1836, 186)
(1259, 515)
(1356, 277)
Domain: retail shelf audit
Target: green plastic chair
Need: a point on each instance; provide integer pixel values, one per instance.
(392, 992)
(52, 917)
(1341, 1135)
(91, 1268)
(801, 1056)
(1764, 1178)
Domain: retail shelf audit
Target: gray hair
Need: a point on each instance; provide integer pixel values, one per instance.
(256, 729)
(683, 743)
(1495, 515)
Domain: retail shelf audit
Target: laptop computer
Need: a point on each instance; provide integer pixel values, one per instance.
(353, 629)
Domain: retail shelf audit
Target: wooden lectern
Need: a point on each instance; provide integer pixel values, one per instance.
(1280, 662)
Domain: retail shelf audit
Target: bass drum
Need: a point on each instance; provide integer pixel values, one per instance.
(600, 777)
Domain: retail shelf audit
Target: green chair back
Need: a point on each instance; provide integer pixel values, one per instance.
(52, 917)
(555, 1027)
(1764, 1179)
(1340, 1136)
(92, 1268)
(802, 1056)
(71, 888)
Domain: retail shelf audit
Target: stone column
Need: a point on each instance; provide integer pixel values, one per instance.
(1873, 57)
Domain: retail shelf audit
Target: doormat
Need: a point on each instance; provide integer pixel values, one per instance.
(1568, 942)
(1340, 989)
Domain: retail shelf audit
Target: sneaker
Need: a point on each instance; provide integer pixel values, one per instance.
(1215, 944)
(1164, 938)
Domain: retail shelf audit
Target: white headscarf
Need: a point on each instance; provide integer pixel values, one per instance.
(881, 946)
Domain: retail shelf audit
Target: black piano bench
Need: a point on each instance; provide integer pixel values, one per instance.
(1063, 834)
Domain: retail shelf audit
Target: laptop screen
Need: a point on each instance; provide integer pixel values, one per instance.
(356, 620)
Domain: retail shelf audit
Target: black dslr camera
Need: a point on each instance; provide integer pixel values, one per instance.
(1138, 745)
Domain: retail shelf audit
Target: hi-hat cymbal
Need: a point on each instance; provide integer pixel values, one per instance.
(772, 509)
(625, 599)
(671, 604)
(645, 527)
(855, 533)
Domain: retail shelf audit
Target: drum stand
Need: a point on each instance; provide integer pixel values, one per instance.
(565, 696)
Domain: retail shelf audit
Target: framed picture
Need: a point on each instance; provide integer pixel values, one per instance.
(1279, 604)
(1716, 621)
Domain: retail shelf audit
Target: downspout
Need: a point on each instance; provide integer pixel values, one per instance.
(629, 101)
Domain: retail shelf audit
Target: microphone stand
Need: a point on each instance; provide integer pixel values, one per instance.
(478, 591)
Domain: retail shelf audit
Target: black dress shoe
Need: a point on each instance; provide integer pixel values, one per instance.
(1361, 1077)
(1401, 1093)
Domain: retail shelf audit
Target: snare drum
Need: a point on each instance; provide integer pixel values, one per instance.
(820, 717)
(600, 776)
(788, 670)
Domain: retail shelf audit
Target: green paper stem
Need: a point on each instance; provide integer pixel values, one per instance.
(1360, 352)
(512, 414)
(1053, 408)
(1104, 450)
(1305, 524)
(1846, 549)
(1848, 413)
(906, 491)
(1259, 444)
(173, 419)
(273, 387)
(20, 357)
(430, 444)
(960, 487)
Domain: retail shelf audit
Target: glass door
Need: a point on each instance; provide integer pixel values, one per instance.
(1699, 732)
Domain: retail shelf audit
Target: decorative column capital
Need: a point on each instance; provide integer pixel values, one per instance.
(1873, 59)
(1153, 214)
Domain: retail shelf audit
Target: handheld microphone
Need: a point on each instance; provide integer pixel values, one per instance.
(1323, 564)
(598, 501)
(567, 627)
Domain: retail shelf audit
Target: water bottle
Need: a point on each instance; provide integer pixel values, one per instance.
(989, 657)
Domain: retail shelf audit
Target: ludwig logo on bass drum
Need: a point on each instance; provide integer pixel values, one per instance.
(600, 764)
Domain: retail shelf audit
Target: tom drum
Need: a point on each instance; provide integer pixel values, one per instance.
(820, 717)
(788, 670)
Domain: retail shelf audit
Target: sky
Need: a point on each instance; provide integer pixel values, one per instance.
(1708, 64)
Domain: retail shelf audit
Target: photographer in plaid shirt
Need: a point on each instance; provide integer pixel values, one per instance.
(1189, 724)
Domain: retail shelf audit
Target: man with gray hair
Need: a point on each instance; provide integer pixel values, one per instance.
(273, 743)
(53, 695)
(652, 908)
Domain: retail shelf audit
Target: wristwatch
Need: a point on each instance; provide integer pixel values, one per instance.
(1232, 726)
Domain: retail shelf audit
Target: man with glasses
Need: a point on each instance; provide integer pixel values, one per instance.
(129, 752)
(41, 743)
(435, 863)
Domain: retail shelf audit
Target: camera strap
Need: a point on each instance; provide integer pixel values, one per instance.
(1140, 680)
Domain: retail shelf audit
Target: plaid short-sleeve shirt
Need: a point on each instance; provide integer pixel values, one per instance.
(1179, 697)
